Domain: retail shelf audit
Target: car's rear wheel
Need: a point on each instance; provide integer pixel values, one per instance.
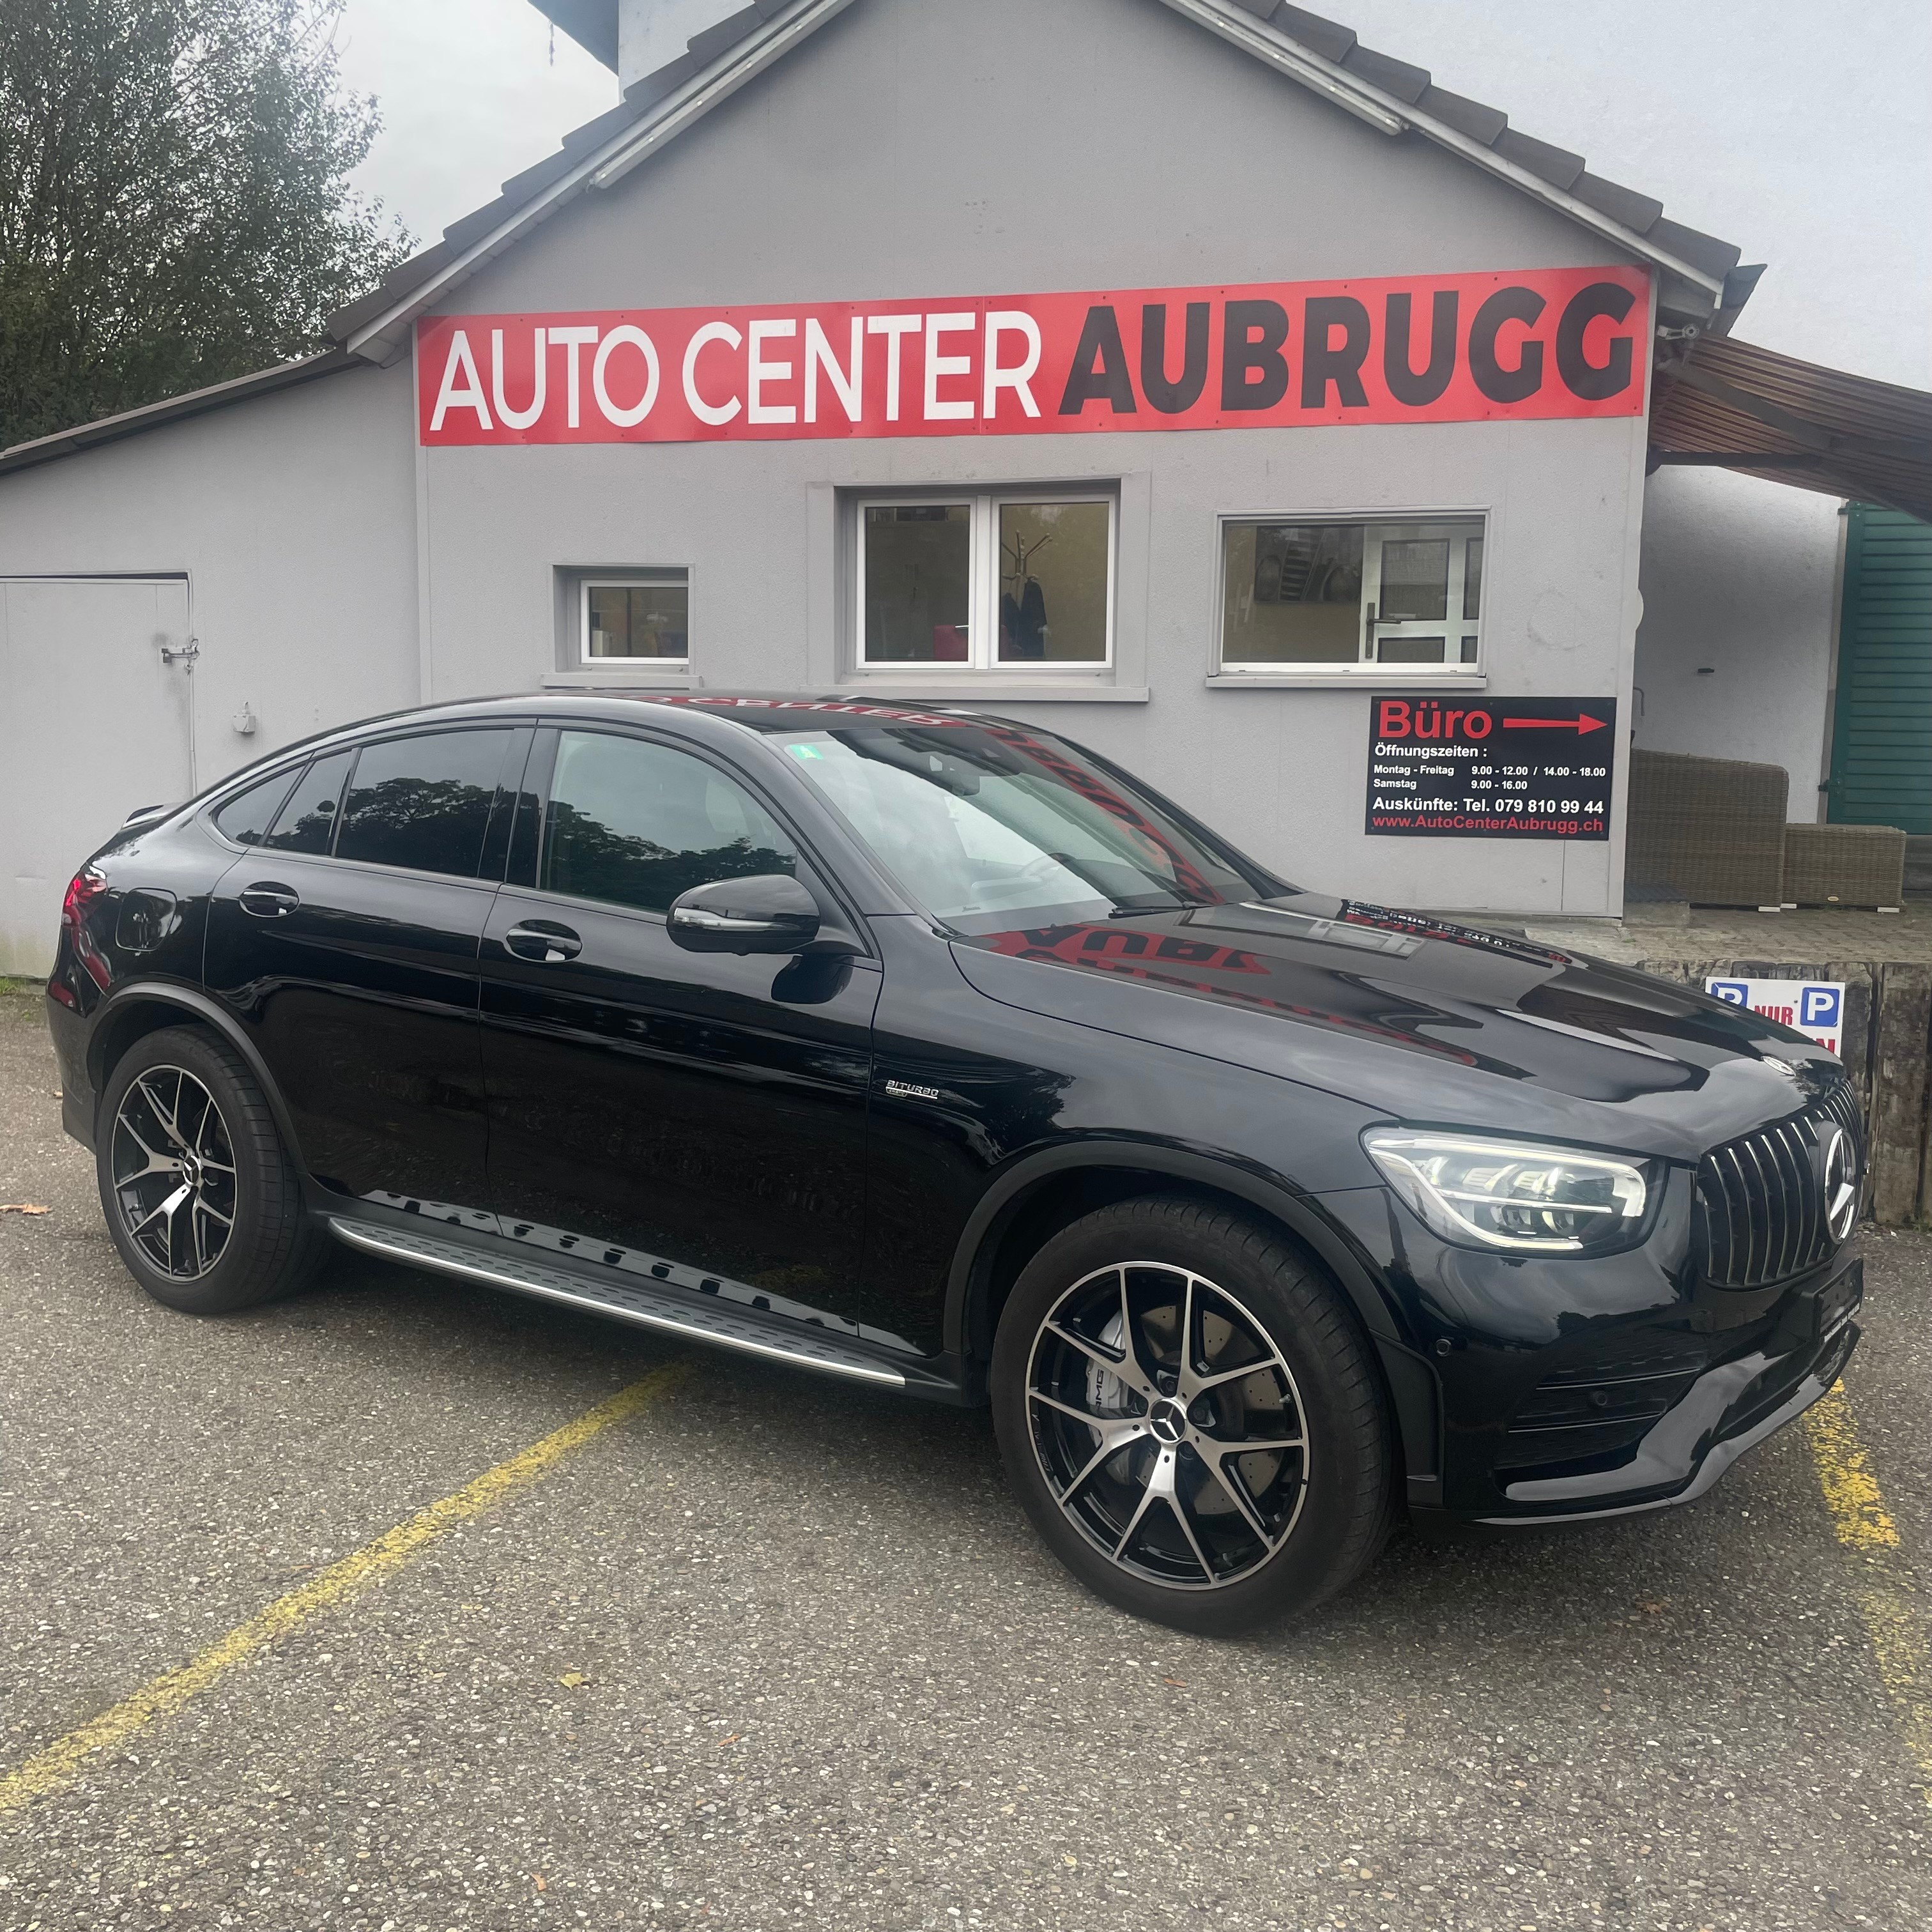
(202, 1200)
(1192, 1417)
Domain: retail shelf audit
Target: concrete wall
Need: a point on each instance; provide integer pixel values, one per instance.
(909, 150)
(1733, 657)
(292, 519)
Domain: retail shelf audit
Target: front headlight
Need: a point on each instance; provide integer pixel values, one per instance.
(1502, 1194)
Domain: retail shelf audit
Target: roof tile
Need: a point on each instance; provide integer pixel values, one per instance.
(1392, 76)
(1475, 118)
(1329, 38)
(728, 32)
(1557, 165)
(1701, 251)
(1639, 212)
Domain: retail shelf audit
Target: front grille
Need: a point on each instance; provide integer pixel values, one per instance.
(1761, 1201)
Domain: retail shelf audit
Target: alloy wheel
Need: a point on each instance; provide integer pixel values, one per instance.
(174, 1172)
(1168, 1425)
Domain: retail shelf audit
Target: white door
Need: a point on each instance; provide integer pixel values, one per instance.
(94, 723)
(1422, 593)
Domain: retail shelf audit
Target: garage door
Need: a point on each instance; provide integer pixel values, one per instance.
(93, 723)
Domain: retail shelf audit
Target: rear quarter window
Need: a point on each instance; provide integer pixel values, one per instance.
(246, 818)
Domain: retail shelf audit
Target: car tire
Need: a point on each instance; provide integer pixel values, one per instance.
(203, 1202)
(1208, 1537)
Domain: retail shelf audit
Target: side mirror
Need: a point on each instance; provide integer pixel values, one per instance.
(768, 912)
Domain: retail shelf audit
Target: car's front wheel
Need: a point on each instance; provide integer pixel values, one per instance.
(1192, 1416)
(201, 1197)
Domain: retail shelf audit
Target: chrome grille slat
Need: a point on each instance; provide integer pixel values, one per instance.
(1761, 1213)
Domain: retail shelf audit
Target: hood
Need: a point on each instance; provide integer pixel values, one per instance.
(1418, 1019)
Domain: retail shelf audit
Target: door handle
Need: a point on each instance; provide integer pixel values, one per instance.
(268, 901)
(542, 943)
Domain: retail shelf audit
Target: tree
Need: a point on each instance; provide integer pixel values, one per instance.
(174, 203)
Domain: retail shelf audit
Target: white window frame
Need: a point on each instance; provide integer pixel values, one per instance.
(982, 657)
(630, 579)
(1378, 527)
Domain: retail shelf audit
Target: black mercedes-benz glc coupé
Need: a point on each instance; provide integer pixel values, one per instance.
(928, 1049)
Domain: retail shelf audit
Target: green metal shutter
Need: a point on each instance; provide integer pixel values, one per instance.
(1882, 738)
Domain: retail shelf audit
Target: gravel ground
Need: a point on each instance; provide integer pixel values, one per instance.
(778, 1653)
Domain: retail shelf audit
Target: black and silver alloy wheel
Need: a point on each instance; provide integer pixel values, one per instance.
(1168, 1425)
(203, 1202)
(174, 1172)
(1200, 1432)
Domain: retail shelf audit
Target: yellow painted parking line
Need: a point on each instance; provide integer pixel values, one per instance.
(61, 1761)
(1893, 1622)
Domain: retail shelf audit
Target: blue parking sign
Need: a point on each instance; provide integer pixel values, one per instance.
(1732, 992)
(1820, 1006)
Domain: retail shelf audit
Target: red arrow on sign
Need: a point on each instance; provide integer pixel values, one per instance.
(1579, 725)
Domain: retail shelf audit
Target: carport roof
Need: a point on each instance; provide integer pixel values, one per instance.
(1730, 405)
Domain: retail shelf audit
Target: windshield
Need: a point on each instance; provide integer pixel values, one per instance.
(989, 827)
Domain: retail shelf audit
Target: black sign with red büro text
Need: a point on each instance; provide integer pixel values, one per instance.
(1442, 767)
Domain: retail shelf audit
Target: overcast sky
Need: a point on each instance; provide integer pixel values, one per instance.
(1768, 122)
(469, 96)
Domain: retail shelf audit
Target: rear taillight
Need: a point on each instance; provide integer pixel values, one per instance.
(86, 886)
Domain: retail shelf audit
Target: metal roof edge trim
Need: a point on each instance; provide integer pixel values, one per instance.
(176, 409)
(1370, 103)
(666, 119)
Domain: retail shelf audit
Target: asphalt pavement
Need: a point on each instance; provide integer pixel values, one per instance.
(777, 1653)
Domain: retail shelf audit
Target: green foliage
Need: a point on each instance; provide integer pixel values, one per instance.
(174, 208)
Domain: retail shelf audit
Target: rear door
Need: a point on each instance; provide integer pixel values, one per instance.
(346, 942)
(655, 1109)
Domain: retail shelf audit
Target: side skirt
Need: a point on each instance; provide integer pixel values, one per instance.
(724, 1326)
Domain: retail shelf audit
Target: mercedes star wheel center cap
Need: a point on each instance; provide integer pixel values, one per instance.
(1168, 1422)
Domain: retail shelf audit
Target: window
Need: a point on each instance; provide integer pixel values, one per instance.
(1343, 597)
(992, 829)
(1011, 581)
(423, 803)
(247, 817)
(307, 823)
(637, 823)
(641, 618)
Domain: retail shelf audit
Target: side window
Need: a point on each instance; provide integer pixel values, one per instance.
(637, 823)
(423, 802)
(307, 823)
(246, 818)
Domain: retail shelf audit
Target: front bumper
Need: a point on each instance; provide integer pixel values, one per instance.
(1728, 1410)
(1567, 1389)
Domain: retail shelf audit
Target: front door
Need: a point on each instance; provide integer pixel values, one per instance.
(345, 940)
(659, 1110)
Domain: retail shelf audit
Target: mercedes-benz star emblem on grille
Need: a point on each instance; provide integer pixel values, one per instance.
(1783, 1067)
(1841, 1171)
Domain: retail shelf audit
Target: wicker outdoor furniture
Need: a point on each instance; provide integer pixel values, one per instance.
(1844, 866)
(1712, 828)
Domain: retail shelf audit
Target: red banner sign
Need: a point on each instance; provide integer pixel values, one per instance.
(1543, 343)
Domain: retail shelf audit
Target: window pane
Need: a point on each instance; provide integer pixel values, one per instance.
(1292, 594)
(638, 620)
(1472, 579)
(1053, 583)
(423, 802)
(1468, 650)
(1415, 581)
(308, 822)
(249, 814)
(1409, 650)
(919, 562)
(637, 823)
(992, 828)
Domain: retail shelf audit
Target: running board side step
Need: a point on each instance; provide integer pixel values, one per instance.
(642, 1306)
